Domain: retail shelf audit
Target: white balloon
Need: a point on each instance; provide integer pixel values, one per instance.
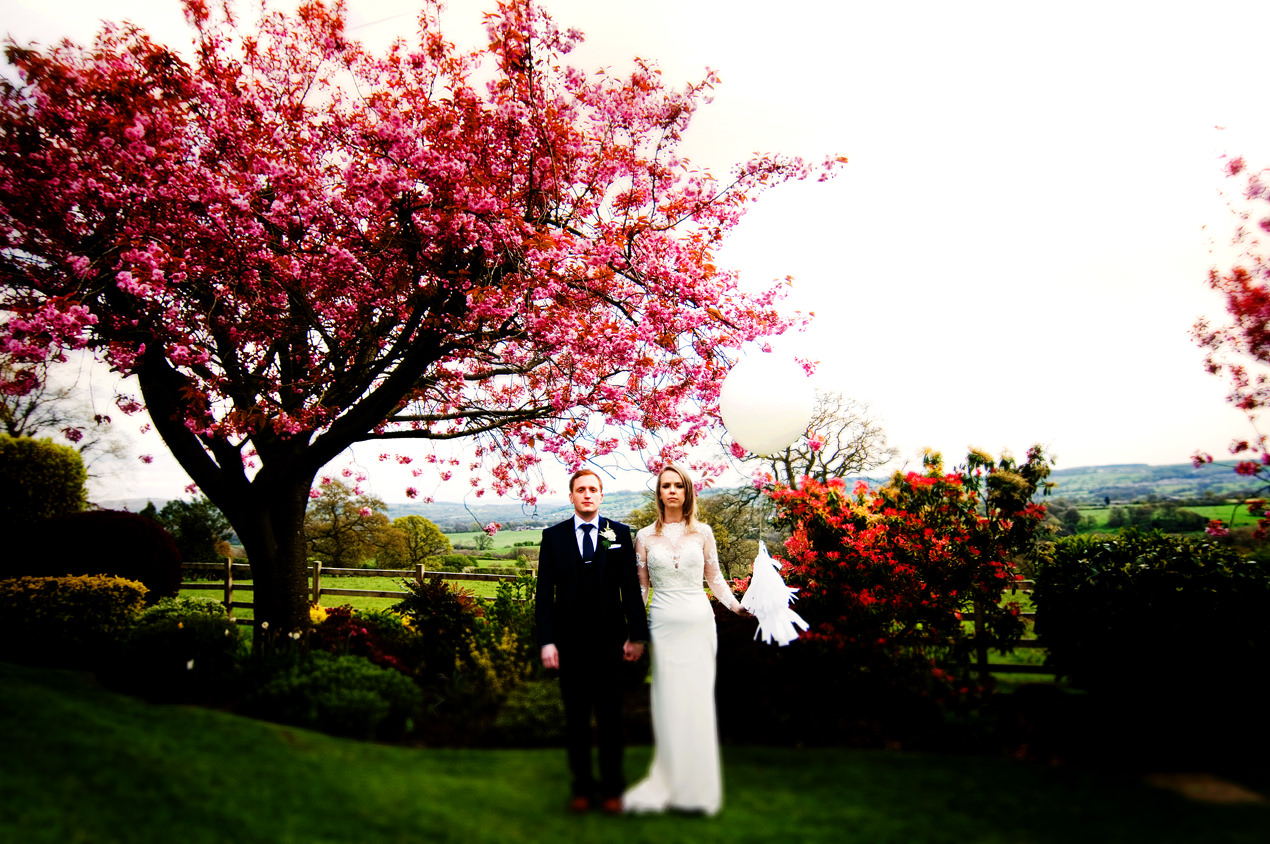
(766, 402)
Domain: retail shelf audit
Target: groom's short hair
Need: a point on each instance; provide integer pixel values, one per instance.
(580, 473)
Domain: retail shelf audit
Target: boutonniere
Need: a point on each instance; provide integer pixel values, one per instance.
(607, 537)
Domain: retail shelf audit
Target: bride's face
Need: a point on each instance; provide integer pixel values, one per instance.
(670, 488)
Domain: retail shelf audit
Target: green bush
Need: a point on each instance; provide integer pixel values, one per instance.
(532, 715)
(182, 650)
(446, 621)
(452, 562)
(38, 480)
(180, 608)
(341, 695)
(66, 622)
(1146, 615)
(109, 542)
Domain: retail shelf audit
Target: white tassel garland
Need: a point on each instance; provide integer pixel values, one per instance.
(768, 598)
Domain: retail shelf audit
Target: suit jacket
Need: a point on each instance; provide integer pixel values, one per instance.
(610, 611)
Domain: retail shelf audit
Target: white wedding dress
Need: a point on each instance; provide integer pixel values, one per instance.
(685, 771)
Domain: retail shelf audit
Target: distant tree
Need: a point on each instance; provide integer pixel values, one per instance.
(343, 526)
(1069, 516)
(423, 539)
(199, 529)
(843, 439)
(386, 543)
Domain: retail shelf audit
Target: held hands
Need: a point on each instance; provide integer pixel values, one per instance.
(632, 651)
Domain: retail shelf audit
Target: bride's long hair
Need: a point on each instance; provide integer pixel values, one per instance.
(690, 498)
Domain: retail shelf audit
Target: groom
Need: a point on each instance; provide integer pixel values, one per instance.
(590, 617)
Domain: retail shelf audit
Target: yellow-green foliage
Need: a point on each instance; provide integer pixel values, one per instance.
(69, 621)
(38, 480)
(500, 667)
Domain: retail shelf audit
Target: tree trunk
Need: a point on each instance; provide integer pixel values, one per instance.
(270, 523)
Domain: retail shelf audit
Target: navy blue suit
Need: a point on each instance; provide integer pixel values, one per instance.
(589, 611)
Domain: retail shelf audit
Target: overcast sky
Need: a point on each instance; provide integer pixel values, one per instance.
(1018, 247)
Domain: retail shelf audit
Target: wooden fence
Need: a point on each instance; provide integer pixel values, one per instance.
(983, 644)
(227, 587)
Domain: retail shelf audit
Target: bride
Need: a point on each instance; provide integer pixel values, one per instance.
(676, 553)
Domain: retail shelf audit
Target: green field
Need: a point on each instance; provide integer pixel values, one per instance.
(1234, 515)
(503, 540)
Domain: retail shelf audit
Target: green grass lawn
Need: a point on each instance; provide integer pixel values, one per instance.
(86, 765)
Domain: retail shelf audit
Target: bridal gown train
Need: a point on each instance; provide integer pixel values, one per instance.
(685, 770)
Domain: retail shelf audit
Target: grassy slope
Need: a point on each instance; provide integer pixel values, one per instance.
(89, 766)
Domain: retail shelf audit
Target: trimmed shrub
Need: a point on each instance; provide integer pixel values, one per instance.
(66, 622)
(180, 608)
(341, 695)
(1151, 610)
(182, 650)
(106, 542)
(39, 480)
(1167, 632)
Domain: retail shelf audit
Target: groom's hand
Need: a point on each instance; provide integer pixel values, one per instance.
(632, 651)
(550, 656)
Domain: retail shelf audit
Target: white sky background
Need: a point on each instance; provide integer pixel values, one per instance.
(1017, 249)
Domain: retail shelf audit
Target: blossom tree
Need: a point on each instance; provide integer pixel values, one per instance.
(294, 246)
(1240, 351)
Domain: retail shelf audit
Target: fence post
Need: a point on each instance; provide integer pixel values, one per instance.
(229, 586)
(981, 642)
(317, 582)
(419, 572)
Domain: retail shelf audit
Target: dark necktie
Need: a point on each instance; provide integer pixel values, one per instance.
(588, 547)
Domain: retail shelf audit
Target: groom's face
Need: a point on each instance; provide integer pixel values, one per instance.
(586, 496)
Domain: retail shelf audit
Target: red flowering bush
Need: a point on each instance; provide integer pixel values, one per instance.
(886, 577)
(378, 636)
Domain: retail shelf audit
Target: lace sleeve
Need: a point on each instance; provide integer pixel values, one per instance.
(714, 576)
(641, 565)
